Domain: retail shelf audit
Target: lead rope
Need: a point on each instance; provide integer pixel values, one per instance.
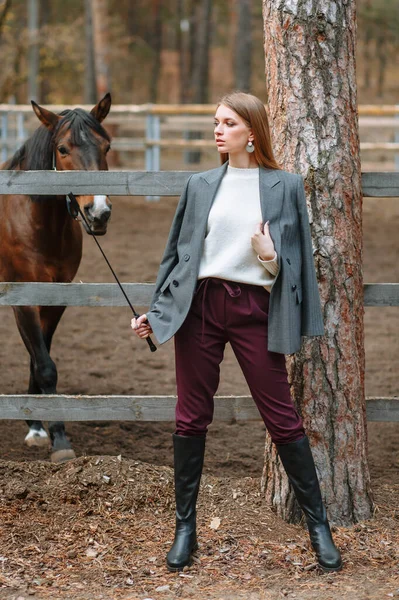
(74, 209)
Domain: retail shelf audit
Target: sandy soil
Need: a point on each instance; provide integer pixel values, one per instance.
(45, 517)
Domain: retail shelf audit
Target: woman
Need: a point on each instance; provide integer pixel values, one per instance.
(238, 267)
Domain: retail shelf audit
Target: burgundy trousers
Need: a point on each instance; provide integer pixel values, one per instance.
(224, 311)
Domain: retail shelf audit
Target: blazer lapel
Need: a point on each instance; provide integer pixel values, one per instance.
(206, 194)
(271, 192)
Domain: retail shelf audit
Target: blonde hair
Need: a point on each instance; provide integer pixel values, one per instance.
(253, 112)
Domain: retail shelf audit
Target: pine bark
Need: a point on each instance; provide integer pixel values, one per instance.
(312, 103)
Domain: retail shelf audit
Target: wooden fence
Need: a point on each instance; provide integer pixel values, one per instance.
(141, 408)
(155, 121)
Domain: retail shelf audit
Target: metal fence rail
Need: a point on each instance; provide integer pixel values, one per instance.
(141, 408)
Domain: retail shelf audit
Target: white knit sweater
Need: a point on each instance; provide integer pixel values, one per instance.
(235, 212)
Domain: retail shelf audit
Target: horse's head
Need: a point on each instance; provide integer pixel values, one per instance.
(80, 143)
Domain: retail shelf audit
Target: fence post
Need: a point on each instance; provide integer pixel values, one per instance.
(148, 149)
(4, 136)
(397, 136)
(153, 152)
(21, 132)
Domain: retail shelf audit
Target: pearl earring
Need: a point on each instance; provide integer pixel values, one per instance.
(250, 147)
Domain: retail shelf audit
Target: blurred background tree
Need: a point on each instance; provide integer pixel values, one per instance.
(158, 51)
(379, 34)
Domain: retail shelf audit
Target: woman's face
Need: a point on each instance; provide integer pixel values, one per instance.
(231, 132)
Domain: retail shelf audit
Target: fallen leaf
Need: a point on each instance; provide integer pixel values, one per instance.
(215, 523)
(162, 588)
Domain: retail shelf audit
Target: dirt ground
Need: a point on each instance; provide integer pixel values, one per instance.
(98, 527)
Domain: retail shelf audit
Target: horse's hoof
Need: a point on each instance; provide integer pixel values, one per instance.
(61, 456)
(37, 438)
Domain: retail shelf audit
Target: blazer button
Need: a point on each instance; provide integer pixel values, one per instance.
(186, 257)
(293, 288)
(175, 283)
(288, 261)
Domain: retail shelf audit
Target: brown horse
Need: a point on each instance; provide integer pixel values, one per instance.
(39, 241)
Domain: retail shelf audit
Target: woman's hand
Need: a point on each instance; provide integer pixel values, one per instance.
(262, 243)
(141, 326)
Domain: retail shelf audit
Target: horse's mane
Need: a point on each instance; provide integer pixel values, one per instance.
(36, 154)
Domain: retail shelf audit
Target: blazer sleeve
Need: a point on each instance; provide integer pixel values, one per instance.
(170, 258)
(311, 317)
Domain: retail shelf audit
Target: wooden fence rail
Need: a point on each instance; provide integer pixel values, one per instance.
(109, 294)
(148, 408)
(149, 136)
(141, 408)
(180, 109)
(142, 183)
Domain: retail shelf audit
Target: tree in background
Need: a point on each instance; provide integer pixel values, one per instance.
(13, 49)
(33, 50)
(90, 88)
(100, 20)
(201, 41)
(243, 47)
(5, 6)
(157, 49)
(379, 23)
(185, 47)
(189, 50)
(312, 100)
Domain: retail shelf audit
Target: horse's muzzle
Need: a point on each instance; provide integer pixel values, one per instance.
(98, 214)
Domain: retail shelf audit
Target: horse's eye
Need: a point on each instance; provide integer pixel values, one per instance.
(62, 150)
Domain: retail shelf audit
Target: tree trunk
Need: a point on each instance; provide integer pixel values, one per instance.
(183, 50)
(368, 38)
(243, 47)
(157, 49)
(367, 23)
(192, 8)
(311, 80)
(33, 51)
(90, 92)
(200, 67)
(45, 20)
(4, 10)
(101, 46)
(200, 72)
(382, 55)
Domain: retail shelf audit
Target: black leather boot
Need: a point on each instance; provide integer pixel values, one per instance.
(298, 463)
(189, 459)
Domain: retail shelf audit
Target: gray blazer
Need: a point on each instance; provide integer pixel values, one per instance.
(294, 308)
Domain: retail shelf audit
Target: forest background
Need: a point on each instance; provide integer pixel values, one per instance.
(174, 51)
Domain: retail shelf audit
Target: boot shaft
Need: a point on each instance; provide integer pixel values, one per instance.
(299, 465)
(188, 463)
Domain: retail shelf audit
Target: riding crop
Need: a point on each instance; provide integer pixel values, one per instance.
(74, 209)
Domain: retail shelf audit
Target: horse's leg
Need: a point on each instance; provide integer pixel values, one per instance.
(61, 447)
(37, 334)
(37, 435)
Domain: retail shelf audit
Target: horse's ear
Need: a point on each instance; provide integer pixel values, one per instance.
(101, 109)
(48, 118)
